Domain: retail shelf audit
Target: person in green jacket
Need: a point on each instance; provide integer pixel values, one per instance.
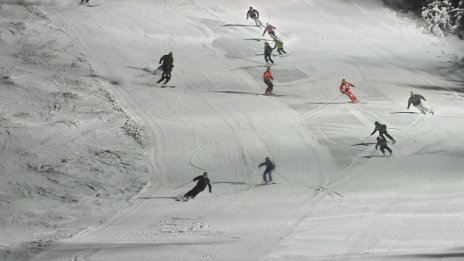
(268, 52)
(280, 46)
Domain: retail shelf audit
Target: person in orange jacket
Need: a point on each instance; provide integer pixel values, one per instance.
(345, 88)
(267, 77)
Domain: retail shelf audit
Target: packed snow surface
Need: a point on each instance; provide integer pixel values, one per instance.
(93, 152)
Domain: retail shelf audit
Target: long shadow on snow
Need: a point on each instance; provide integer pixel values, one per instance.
(430, 255)
(245, 25)
(404, 112)
(249, 93)
(363, 144)
(319, 103)
(145, 69)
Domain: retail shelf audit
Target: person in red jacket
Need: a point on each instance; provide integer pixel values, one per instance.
(345, 88)
(267, 77)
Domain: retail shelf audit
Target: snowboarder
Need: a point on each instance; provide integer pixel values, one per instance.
(280, 46)
(166, 65)
(84, 2)
(267, 77)
(345, 89)
(270, 166)
(254, 14)
(382, 143)
(382, 128)
(203, 181)
(268, 52)
(270, 30)
(415, 100)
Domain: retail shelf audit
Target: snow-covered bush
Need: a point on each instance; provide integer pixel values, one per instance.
(441, 17)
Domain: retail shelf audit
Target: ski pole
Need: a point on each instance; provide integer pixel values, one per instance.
(336, 97)
(182, 185)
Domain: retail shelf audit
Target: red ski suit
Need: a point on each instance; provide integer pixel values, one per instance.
(345, 89)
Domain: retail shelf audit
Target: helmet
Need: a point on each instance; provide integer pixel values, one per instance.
(343, 80)
(205, 173)
(376, 123)
(267, 158)
(269, 67)
(251, 7)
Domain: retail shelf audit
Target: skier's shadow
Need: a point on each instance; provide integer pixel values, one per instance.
(372, 156)
(249, 67)
(237, 92)
(243, 25)
(231, 183)
(257, 39)
(248, 93)
(363, 144)
(404, 112)
(158, 197)
(145, 69)
(320, 103)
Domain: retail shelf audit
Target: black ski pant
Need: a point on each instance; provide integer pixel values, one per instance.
(386, 134)
(267, 58)
(166, 76)
(383, 148)
(281, 50)
(193, 192)
(270, 86)
(267, 172)
(84, 1)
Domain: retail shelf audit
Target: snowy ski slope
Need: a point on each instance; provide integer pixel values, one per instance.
(333, 200)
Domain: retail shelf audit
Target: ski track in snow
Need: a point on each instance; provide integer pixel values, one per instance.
(329, 204)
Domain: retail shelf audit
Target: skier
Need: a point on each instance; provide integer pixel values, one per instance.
(267, 77)
(345, 89)
(415, 100)
(269, 168)
(382, 128)
(382, 143)
(270, 30)
(166, 62)
(280, 46)
(84, 2)
(268, 52)
(203, 181)
(254, 14)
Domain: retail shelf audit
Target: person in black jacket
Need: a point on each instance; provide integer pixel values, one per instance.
(416, 100)
(382, 128)
(254, 14)
(270, 166)
(203, 181)
(382, 143)
(268, 52)
(166, 65)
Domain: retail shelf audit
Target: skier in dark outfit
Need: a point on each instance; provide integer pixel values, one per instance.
(269, 168)
(382, 143)
(382, 128)
(166, 65)
(416, 100)
(254, 14)
(268, 52)
(203, 181)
